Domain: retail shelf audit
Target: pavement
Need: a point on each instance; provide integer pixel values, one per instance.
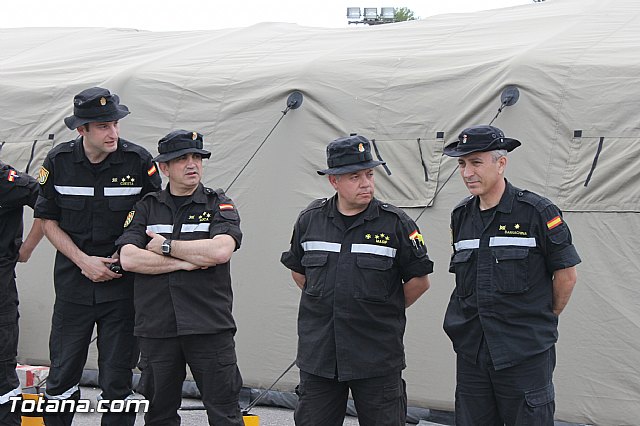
(193, 414)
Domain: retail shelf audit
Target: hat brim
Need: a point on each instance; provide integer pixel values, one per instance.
(73, 121)
(456, 149)
(168, 156)
(350, 168)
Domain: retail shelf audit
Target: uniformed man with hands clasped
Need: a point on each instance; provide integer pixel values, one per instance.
(179, 242)
(360, 263)
(514, 264)
(88, 187)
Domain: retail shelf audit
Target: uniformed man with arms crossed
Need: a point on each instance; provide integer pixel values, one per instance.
(359, 262)
(515, 270)
(88, 186)
(16, 191)
(179, 243)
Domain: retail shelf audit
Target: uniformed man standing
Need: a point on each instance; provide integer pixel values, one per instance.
(515, 270)
(359, 262)
(16, 191)
(89, 185)
(179, 243)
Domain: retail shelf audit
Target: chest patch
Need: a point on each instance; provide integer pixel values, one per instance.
(379, 238)
(519, 229)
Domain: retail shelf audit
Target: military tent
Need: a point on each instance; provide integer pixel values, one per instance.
(412, 87)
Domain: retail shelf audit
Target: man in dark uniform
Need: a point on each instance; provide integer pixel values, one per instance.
(88, 186)
(515, 270)
(16, 191)
(359, 262)
(179, 243)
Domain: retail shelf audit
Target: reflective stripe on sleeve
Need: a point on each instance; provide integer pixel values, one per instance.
(85, 191)
(467, 244)
(373, 249)
(512, 241)
(195, 227)
(14, 392)
(65, 395)
(160, 229)
(127, 190)
(321, 246)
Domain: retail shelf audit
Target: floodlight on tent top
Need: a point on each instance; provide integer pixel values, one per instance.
(370, 13)
(353, 13)
(388, 13)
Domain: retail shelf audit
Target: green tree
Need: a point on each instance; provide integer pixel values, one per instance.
(404, 14)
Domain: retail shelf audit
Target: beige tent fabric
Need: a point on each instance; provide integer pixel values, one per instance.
(575, 63)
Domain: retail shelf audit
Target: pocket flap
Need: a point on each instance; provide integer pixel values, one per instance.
(119, 205)
(68, 203)
(461, 256)
(314, 259)
(510, 253)
(540, 397)
(378, 263)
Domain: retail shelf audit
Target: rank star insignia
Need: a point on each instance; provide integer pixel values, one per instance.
(517, 226)
(377, 236)
(502, 228)
(127, 181)
(204, 217)
(368, 236)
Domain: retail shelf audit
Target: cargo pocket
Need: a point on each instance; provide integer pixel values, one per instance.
(461, 265)
(315, 272)
(540, 406)
(73, 216)
(510, 270)
(375, 278)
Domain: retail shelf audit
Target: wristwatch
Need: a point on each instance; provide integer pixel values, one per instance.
(166, 247)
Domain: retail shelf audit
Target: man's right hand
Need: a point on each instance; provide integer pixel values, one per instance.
(97, 269)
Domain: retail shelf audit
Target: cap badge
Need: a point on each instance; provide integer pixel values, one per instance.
(103, 101)
(464, 138)
(361, 148)
(194, 136)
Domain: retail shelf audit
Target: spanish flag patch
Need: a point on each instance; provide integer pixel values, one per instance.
(152, 170)
(12, 175)
(554, 222)
(225, 206)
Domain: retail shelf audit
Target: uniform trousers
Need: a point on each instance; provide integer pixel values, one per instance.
(379, 401)
(520, 395)
(9, 383)
(212, 361)
(71, 330)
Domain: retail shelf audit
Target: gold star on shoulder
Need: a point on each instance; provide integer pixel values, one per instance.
(517, 226)
(368, 236)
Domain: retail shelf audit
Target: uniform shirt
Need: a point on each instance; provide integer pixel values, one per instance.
(351, 318)
(183, 302)
(504, 269)
(90, 202)
(16, 190)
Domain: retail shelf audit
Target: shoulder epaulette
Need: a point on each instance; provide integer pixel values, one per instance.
(63, 147)
(537, 201)
(132, 147)
(392, 209)
(464, 202)
(315, 204)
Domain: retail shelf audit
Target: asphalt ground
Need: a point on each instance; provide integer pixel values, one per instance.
(192, 415)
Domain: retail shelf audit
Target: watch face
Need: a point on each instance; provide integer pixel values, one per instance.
(166, 247)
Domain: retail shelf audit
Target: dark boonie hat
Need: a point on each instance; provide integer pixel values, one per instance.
(480, 139)
(349, 154)
(95, 105)
(178, 143)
